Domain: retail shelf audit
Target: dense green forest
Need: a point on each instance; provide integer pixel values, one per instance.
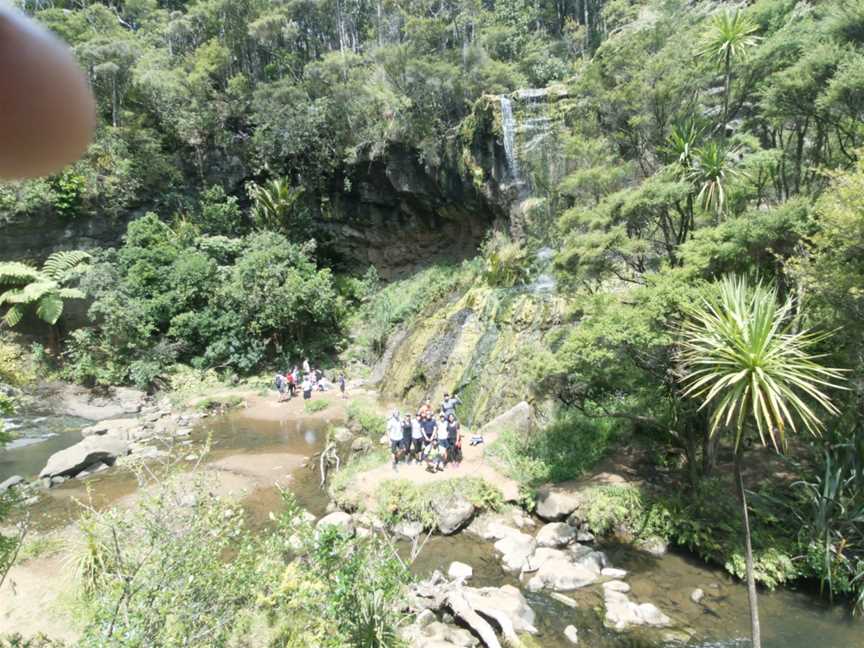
(699, 139)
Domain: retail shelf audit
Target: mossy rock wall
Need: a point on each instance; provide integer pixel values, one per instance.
(479, 344)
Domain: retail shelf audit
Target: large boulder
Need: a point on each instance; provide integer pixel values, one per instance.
(505, 599)
(562, 575)
(519, 419)
(128, 429)
(431, 633)
(74, 400)
(556, 504)
(460, 571)
(12, 482)
(556, 534)
(515, 549)
(622, 613)
(93, 449)
(453, 513)
(492, 526)
(339, 520)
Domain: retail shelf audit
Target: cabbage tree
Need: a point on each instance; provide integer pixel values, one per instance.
(742, 357)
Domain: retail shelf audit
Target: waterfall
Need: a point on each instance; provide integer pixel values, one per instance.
(508, 125)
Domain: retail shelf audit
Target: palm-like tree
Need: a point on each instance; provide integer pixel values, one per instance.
(274, 203)
(711, 166)
(42, 289)
(741, 356)
(729, 39)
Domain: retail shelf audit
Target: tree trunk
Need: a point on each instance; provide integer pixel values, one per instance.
(748, 550)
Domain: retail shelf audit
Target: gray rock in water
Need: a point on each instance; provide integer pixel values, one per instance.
(622, 613)
(561, 575)
(696, 595)
(460, 571)
(654, 545)
(555, 504)
(491, 526)
(93, 449)
(556, 534)
(506, 599)
(12, 482)
(339, 520)
(612, 572)
(453, 513)
(122, 428)
(515, 549)
(571, 633)
(74, 400)
(616, 586)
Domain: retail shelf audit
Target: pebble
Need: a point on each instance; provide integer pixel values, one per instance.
(697, 595)
(572, 634)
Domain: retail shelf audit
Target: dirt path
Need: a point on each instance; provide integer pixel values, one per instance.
(474, 464)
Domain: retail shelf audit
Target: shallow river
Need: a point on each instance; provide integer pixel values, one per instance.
(789, 619)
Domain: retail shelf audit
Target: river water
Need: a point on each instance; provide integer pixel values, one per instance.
(790, 619)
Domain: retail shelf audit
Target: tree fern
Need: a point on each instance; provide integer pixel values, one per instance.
(49, 308)
(13, 316)
(14, 273)
(42, 289)
(61, 262)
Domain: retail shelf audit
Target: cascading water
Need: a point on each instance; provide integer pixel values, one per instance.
(508, 126)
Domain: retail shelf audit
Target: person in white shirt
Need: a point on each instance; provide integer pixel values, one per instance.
(416, 438)
(306, 387)
(394, 433)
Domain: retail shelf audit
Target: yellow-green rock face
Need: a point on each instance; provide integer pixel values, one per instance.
(478, 345)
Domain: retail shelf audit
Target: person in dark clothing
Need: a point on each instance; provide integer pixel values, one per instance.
(406, 436)
(454, 441)
(448, 405)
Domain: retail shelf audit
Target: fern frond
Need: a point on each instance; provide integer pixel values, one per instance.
(15, 273)
(50, 308)
(71, 293)
(60, 262)
(13, 316)
(29, 293)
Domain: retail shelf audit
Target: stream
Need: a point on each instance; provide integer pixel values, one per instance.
(790, 619)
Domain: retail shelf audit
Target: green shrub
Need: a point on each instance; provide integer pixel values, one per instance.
(213, 404)
(313, 406)
(340, 484)
(367, 417)
(400, 301)
(400, 499)
(564, 450)
(625, 509)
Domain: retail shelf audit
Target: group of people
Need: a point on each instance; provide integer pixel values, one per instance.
(430, 437)
(309, 380)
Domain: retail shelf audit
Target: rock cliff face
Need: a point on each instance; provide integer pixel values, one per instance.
(479, 345)
(394, 210)
(398, 214)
